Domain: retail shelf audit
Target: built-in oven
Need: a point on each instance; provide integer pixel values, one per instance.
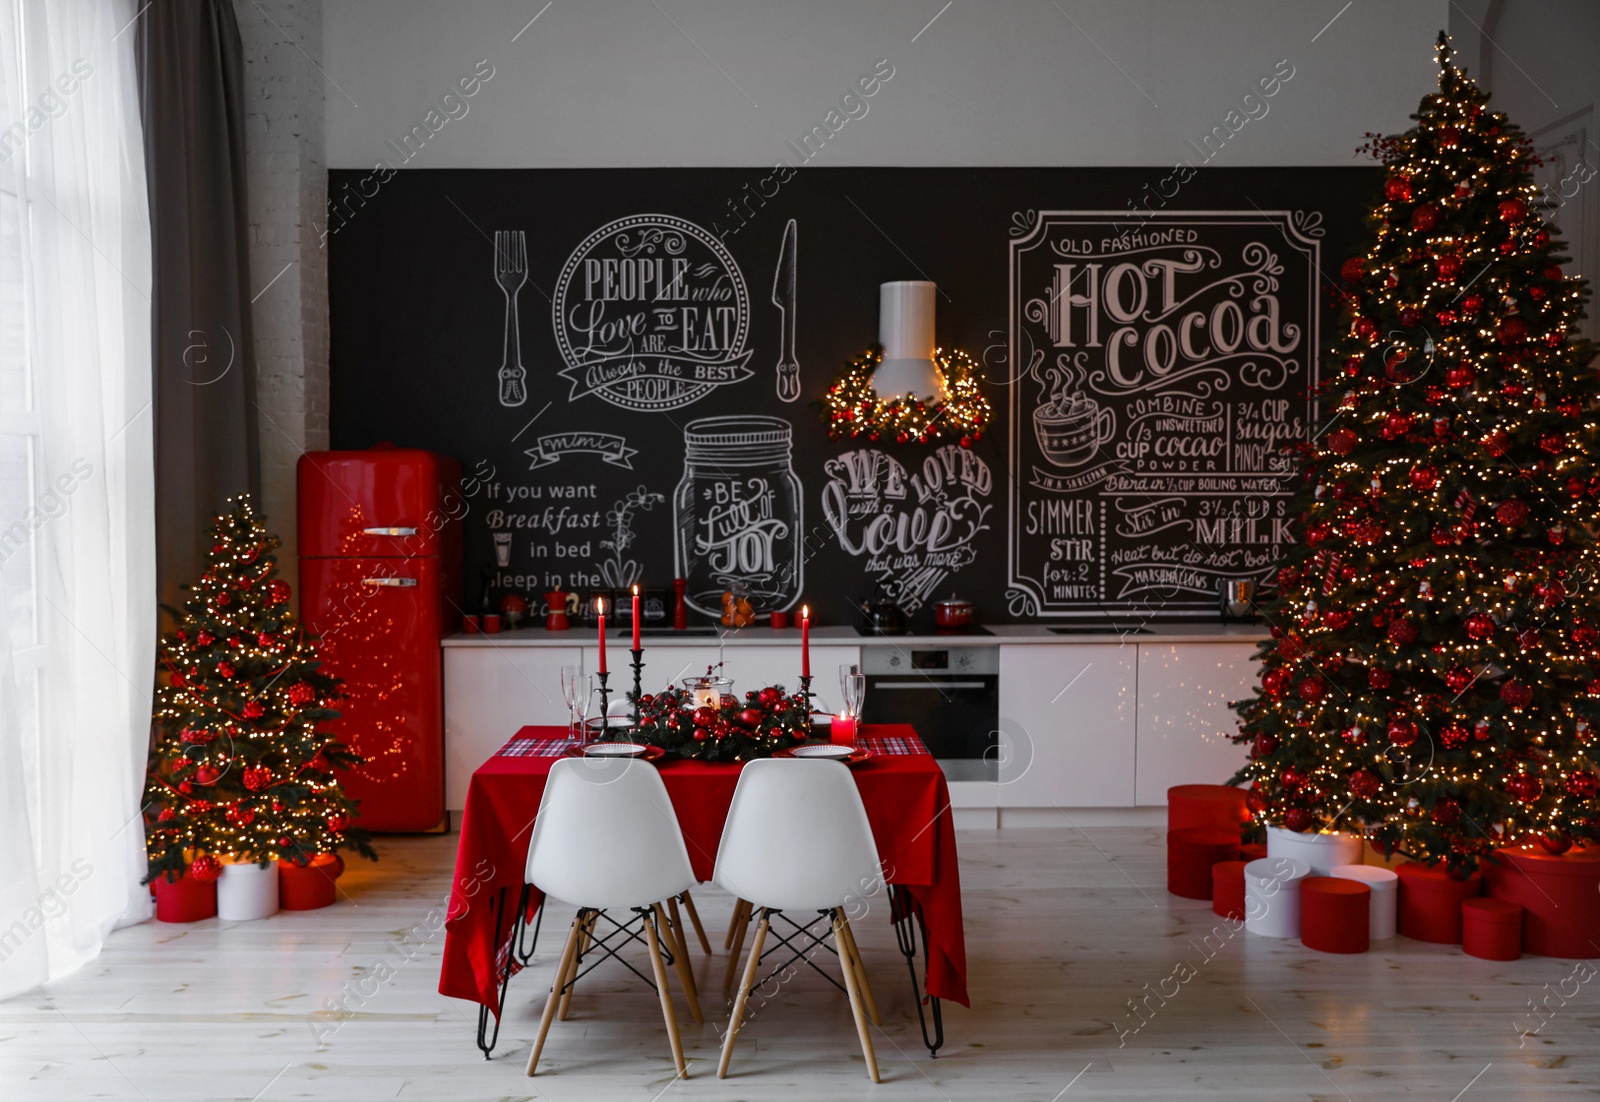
(951, 695)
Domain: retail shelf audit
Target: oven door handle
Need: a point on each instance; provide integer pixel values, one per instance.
(929, 685)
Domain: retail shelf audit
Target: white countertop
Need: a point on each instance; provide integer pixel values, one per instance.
(1200, 631)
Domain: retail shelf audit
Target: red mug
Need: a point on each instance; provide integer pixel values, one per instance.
(469, 625)
(491, 624)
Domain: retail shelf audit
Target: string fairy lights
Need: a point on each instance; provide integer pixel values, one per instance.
(853, 408)
(1433, 676)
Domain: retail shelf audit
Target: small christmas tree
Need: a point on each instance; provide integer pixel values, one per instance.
(240, 768)
(1433, 674)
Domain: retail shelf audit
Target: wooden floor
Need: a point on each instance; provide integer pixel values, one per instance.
(1064, 928)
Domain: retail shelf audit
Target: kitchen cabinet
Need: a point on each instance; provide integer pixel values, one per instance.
(1066, 726)
(1183, 714)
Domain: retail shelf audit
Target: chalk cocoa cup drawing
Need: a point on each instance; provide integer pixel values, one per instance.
(1071, 430)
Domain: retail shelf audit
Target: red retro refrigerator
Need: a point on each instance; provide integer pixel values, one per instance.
(380, 570)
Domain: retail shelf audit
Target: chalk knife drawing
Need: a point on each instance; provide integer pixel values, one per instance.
(783, 297)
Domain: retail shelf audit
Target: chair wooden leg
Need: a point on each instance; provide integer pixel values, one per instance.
(737, 930)
(861, 973)
(584, 936)
(660, 968)
(751, 970)
(568, 951)
(694, 920)
(854, 989)
(741, 910)
(680, 960)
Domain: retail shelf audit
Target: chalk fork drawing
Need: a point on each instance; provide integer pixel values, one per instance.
(511, 272)
(783, 297)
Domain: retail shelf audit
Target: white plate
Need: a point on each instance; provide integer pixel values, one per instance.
(614, 750)
(829, 751)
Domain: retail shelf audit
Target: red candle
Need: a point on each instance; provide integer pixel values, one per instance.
(805, 641)
(636, 618)
(600, 614)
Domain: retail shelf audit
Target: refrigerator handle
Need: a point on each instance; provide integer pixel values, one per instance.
(402, 582)
(388, 531)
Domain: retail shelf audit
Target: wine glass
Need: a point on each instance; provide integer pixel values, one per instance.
(575, 691)
(853, 688)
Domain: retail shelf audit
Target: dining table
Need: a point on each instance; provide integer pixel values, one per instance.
(492, 907)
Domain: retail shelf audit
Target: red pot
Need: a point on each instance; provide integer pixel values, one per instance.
(185, 899)
(952, 613)
(308, 887)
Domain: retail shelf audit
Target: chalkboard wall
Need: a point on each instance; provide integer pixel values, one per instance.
(601, 349)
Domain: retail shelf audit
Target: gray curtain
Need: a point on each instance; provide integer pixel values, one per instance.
(191, 100)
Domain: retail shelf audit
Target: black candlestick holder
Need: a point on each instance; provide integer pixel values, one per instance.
(605, 701)
(638, 671)
(805, 694)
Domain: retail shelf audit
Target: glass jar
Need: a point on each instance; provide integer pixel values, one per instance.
(738, 512)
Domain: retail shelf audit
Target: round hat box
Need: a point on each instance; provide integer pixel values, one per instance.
(247, 891)
(1272, 896)
(1382, 924)
(1323, 852)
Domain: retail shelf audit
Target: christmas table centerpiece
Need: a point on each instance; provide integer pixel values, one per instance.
(702, 720)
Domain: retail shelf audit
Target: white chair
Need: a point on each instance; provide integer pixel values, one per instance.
(832, 863)
(606, 838)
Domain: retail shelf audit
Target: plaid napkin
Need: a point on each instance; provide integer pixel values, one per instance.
(534, 748)
(893, 744)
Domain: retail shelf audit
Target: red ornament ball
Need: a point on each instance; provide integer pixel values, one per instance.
(1472, 303)
(1447, 268)
(704, 716)
(1408, 318)
(1497, 443)
(1525, 787)
(1582, 784)
(751, 717)
(338, 822)
(1460, 376)
(1424, 478)
(1402, 732)
(1511, 331)
(1256, 802)
(1553, 442)
(239, 815)
(1342, 441)
(1364, 784)
(1275, 682)
(1292, 778)
(1555, 844)
(1425, 218)
(205, 868)
(1453, 737)
(1312, 688)
(254, 710)
(1516, 694)
(1397, 425)
(1446, 812)
(1297, 819)
(1479, 626)
(1459, 679)
(1511, 513)
(1353, 269)
(1379, 679)
(1402, 632)
(301, 693)
(206, 774)
(1512, 211)
(257, 777)
(1264, 746)
(1397, 188)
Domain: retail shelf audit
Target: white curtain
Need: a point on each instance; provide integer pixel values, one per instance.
(77, 551)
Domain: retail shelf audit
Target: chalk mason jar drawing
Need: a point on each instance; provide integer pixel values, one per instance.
(737, 513)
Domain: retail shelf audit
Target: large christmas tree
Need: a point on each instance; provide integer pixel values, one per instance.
(1434, 670)
(241, 768)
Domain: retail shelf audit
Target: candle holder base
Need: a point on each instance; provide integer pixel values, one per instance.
(638, 671)
(605, 701)
(805, 694)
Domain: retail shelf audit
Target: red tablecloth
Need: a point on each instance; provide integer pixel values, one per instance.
(907, 801)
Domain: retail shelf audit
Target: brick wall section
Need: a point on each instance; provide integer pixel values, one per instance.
(287, 180)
